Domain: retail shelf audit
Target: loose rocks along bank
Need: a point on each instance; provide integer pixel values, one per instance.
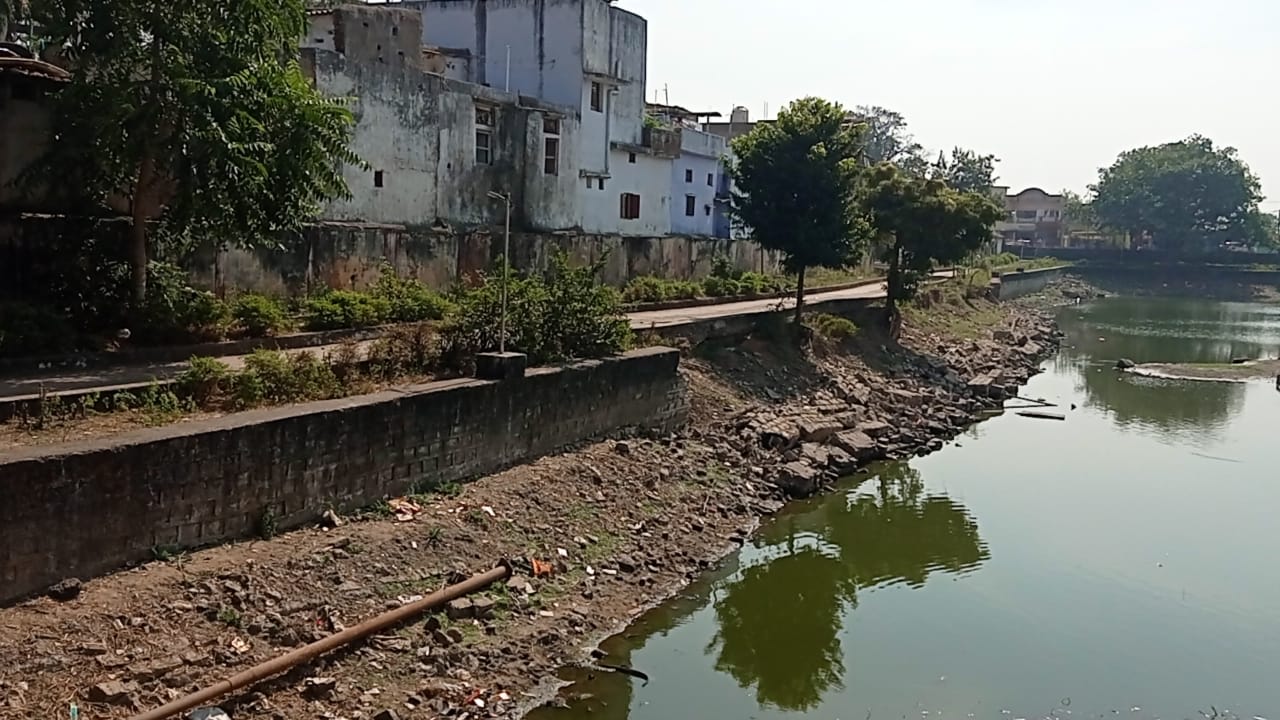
(625, 523)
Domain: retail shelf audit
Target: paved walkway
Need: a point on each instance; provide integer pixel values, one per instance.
(131, 376)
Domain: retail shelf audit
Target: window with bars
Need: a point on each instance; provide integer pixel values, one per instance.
(690, 205)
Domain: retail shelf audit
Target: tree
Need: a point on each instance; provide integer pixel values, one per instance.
(923, 222)
(795, 188)
(195, 114)
(10, 10)
(966, 170)
(886, 139)
(1262, 230)
(1188, 196)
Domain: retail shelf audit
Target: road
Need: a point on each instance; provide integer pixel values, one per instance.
(127, 377)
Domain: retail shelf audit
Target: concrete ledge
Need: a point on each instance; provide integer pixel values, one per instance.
(88, 507)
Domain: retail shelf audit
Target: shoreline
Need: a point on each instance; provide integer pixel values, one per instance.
(630, 521)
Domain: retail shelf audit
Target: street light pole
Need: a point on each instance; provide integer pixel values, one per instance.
(506, 268)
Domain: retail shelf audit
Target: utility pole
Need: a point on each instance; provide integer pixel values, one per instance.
(506, 268)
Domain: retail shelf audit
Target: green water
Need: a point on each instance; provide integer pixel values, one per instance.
(1124, 563)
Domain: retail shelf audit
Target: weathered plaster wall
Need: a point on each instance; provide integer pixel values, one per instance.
(24, 134)
(630, 47)
(417, 133)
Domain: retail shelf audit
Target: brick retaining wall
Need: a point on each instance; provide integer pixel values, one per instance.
(86, 508)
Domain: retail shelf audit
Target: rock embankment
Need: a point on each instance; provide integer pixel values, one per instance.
(623, 523)
(863, 416)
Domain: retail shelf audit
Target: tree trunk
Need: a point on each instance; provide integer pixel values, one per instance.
(799, 300)
(138, 230)
(893, 292)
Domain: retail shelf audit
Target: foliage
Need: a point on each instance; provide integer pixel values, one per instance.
(925, 223)
(175, 312)
(339, 309)
(562, 314)
(196, 114)
(410, 300)
(966, 170)
(405, 350)
(833, 326)
(260, 315)
(272, 377)
(1188, 196)
(885, 139)
(34, 330)
(1079, 214)
(796, 179)
(651, 289)
(204, 379)
(1262, 230)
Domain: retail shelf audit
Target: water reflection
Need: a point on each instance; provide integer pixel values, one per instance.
(779, 620)
(1164, 330)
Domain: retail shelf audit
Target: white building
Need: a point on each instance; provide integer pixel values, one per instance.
(436, 147)
(589, 55)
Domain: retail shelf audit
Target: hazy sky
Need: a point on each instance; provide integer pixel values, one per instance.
(1054, 88)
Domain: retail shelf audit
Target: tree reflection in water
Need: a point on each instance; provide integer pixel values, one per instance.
(779, 622)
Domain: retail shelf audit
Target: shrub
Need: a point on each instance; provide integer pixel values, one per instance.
(715, 286)
(410, 349)
(31, 330)
(204, 379)
(260, 315)
(342, 309)
(650, 289)
(561, 315)
(833, 326)
(175, 312)
(409, 300)
(270, 376)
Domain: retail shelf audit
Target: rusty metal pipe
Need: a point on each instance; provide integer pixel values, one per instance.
(373, 625)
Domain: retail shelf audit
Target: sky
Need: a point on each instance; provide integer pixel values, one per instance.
(1055, 89)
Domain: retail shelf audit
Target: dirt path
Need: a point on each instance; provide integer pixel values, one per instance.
(127, 377)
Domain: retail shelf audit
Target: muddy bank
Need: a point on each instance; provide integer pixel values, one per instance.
(625, 522)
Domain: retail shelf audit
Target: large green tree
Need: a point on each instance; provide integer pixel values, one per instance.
(795, 183)
(923, 222)
(193, 113)
(966, 170)
(886, 139)
(1188, 196)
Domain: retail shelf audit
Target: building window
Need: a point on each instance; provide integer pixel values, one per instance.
(711, 179)
(601, 181)
(631, 158)
(377, 178)
(597, 97)
(484, 135)
(551, 146)
(707, 210)
(688, 176)
(629, 207)
(589, 183)
(1026, 215)
(690, 205)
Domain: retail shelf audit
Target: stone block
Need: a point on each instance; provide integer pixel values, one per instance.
(501, 366)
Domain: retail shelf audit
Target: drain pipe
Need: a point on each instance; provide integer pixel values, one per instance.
(296, 657)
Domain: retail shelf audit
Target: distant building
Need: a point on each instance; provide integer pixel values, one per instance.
(699, 185)
(1032, 217)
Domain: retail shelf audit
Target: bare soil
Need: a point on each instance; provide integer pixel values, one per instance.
(625, 522)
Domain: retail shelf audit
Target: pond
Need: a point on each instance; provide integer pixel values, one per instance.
(1125, 562)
